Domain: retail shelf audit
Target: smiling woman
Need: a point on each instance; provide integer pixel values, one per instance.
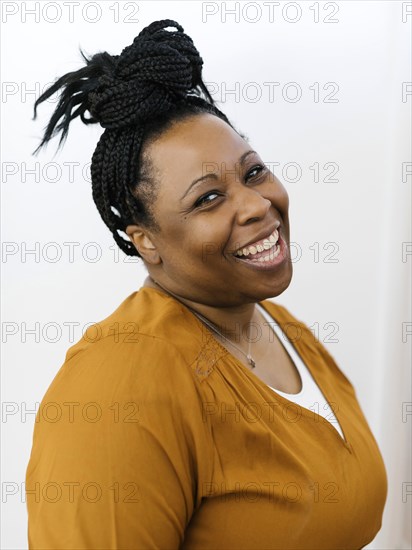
(177, 427)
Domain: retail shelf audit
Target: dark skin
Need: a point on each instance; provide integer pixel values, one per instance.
(192, 255)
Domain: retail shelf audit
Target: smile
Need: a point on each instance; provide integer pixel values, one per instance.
(262, 249)
(270, 258)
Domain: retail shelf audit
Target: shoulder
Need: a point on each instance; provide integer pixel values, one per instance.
(305, 340)
(145, 325)
(149, 343)
(287, 321)
(150, 348)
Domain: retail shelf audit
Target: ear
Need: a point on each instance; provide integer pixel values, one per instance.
(143, 244)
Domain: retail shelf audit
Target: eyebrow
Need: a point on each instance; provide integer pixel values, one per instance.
(212, 175)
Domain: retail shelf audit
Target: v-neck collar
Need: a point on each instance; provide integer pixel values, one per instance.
(307, 412)
(271, 309)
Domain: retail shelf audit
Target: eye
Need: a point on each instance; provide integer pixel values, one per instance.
(202, 200)
(256, 171)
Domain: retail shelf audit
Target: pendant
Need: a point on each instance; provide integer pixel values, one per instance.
(251, 361)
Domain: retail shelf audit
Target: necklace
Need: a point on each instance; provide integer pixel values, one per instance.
(248, 355)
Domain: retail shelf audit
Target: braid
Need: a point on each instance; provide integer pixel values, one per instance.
(135, 96)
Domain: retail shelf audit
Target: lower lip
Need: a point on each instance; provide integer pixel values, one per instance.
(264, 266)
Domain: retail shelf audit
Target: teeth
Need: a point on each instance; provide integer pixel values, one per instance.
(271, 256)
(267, 244)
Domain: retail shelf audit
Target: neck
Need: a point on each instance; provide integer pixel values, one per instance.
(235, 322)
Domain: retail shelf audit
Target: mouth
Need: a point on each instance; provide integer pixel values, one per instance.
(261, 249)
(268, 254)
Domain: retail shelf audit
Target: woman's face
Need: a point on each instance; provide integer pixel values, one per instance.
(203, 225)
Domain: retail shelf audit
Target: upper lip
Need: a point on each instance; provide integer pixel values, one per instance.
(264, 234)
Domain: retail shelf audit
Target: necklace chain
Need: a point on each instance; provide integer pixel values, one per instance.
(249, 357)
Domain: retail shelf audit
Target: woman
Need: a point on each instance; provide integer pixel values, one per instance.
(186, 418)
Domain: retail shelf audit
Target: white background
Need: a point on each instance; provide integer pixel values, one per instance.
(366, 213)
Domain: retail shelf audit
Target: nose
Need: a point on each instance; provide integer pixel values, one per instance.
(251, 205)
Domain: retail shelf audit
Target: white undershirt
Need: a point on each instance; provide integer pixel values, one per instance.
(310, 395)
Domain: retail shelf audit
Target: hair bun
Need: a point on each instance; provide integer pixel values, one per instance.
(148, 77)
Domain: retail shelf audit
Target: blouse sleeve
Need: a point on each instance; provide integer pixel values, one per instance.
(119, 450)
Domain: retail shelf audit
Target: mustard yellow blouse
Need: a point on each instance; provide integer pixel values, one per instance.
(152, 435)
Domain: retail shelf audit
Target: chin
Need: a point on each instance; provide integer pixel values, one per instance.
(280, 285)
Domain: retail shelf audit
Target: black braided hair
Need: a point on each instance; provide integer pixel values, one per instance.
(135, 96)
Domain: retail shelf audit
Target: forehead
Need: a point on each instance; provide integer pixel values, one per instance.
(186, 150)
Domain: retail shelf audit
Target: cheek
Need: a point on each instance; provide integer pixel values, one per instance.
(284, 199)
(191, 242)
(279, 195)
(204, 240)
(208, 238)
